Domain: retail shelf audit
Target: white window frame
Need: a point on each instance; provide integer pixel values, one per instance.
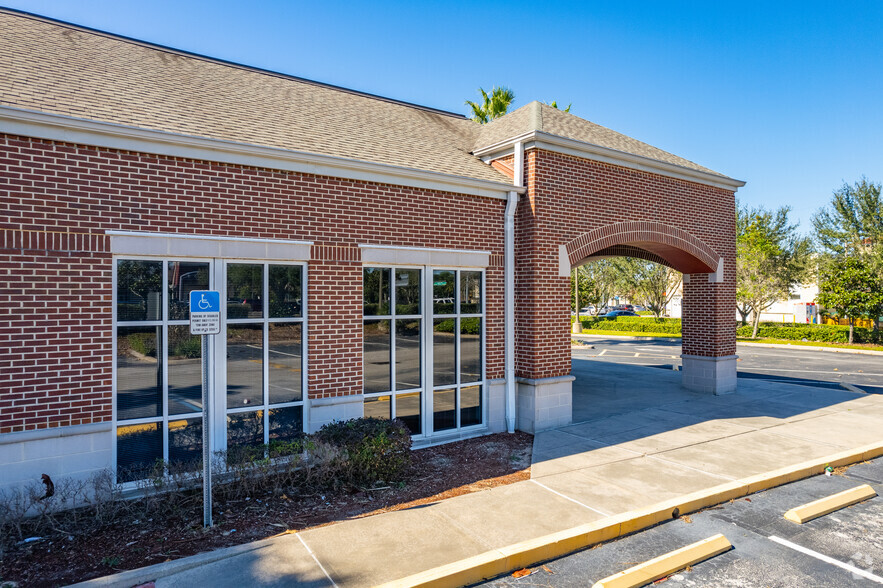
(217, 376)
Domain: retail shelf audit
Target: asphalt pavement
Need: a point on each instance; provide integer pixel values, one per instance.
(844, 548)
(792, 365)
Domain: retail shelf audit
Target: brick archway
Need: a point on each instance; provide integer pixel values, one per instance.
(653, 241)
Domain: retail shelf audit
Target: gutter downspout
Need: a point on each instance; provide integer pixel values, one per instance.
(509, 288)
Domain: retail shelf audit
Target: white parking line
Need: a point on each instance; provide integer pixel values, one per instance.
(849, 568)
(602, 353)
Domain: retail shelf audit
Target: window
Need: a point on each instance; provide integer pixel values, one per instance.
(158, 368)
(392, 345)
(396, 346)
(264, 353)
(457, 350)
(158, 372)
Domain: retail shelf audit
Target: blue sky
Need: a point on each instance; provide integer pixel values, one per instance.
(787, 96)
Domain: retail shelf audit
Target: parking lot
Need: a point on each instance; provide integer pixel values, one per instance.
(796, 365)
(844, 548)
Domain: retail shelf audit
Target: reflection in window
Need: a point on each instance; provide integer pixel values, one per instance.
(408, 409)
(470, 349)
(245, 428)
(139, 372)
(245, 285)
(444, 291)
(444, 352)
(139, 451)
(470, 292)
(245, 375)
(444, 409)
(407, 291)
(285, 362)
(376, 356)
(184, 277)
(139, 290)
(185, 445)
(286, 423)
(376, 291)
(407, 366)
(285, 291)
(378, 407)
(185, 370)
(470, 406)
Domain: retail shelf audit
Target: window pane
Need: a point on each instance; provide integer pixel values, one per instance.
(470, 350)
(245, 428)
(286, 424)
(185, 370)
(408, 291)
(245, 377)
(285, 291)
(444, 366)
(444, 409)
(185, 445)
(139, 449)
(407, 354)
(378, 407)
(376, 291)
(183, 278)
(470, 406)
(444, 288)
(139, 372)
(376, 356)
(285, 363)
(470, 292)
(139, 290)
(245, 285)
(408, 409)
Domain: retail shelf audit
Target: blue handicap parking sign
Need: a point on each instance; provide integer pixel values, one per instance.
(205, 301)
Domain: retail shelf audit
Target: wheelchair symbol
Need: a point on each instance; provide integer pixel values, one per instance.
(203, 303)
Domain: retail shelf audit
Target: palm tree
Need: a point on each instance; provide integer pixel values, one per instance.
(554, 104)
(493, 106)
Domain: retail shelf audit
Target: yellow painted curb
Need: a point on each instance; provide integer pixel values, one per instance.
(533, 551)
(829, 504)
(664, 565)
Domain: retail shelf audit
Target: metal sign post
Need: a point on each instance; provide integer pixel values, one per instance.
(205, 320)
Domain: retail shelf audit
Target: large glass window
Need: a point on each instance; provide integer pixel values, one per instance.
(264, 341)
(394, 314)
(457, 349)
(392, 344)
(158, 372)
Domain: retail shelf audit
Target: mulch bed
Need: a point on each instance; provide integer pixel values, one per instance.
(436, 473)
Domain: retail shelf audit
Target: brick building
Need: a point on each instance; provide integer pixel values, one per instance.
(374, 257)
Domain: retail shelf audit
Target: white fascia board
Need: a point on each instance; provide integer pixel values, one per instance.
(56, 127)
(548, 142)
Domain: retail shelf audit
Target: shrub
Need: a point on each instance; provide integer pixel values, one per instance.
(633, 323)
(373, 450)
(818, 333)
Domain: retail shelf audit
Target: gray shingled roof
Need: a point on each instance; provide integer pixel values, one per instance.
(537, 116)
(59, 68)
(51, 67)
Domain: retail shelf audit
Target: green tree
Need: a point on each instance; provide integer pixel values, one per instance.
(850, 286)
(771, 258)
(652, 284)
(598, 280)
(853, 223)
(554, 104)
(493, 105)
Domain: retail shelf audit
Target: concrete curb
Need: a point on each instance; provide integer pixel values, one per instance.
(529, 553)
(819, 508)
(146, 574)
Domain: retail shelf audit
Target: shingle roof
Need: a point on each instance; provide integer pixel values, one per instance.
(537, 116)
(59, 68)
(53, 67)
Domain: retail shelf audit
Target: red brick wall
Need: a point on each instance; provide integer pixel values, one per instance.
(567, 198)
(59, 199)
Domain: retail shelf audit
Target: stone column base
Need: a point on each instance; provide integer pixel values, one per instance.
(544, 404)
(338, 408)
(714, 375)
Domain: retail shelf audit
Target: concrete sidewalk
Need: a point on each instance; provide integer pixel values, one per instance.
(642, 441)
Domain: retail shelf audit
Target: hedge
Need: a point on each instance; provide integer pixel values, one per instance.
(819, 333)
(793, 332)
(634, 324)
